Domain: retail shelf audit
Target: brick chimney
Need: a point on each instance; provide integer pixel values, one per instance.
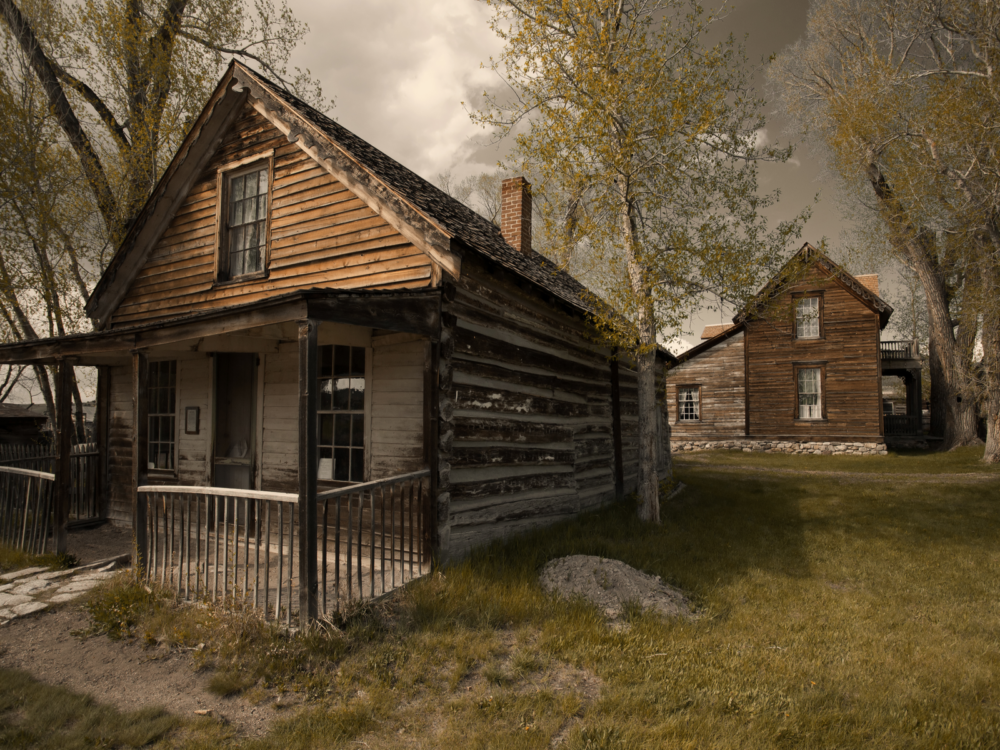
(515, 213)
(869, 281)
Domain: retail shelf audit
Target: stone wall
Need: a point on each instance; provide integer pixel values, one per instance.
(748, 445)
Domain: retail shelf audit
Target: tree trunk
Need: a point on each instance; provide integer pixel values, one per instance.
(649, 485)
(991, 367)
(939, 391)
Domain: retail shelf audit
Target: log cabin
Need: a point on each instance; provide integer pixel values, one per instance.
(294, 313)
(799, 371)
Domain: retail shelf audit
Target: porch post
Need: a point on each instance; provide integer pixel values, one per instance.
(140, 453)
(616, 428)
(308, 455)
(64, 449)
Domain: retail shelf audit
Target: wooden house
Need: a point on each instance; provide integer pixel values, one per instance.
(295, 313)
(799, 371)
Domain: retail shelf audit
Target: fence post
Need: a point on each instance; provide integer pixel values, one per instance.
(102, 432)
(64, 447)
(308, 455)
(140, 453)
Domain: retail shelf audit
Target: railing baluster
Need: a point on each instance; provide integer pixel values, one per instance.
(350, 544)
(361, 526)
(326, 542)
(381, 536)
(336, 572)
(292, 515)
(281, 540)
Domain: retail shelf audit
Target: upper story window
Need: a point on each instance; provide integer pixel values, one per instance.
(161, 390)
(807, 318)
(689, 403)
(342, 413)
(243, 218)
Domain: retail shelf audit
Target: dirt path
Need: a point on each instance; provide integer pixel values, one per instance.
(122, 674)
(704, 463)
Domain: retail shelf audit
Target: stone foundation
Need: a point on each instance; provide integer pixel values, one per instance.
(781, 446)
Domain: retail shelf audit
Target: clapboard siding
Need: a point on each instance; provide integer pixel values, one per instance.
(280, 454)
(526, 416)
(720, 373)
(397, 398)
(848, 350)
(321, 235)
(194, 388)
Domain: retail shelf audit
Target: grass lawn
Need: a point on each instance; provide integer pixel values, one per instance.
(837, 611)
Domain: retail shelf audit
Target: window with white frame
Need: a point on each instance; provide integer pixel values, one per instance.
(161, 390)
(341, 420)
(810, 393)
(689, 403)
(807, 313)
(245, 242)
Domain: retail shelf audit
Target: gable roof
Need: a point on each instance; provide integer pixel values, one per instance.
(435, 222)
(810, 255)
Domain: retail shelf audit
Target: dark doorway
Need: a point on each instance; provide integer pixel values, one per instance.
(235, 406)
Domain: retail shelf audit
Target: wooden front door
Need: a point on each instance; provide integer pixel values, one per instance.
(235, 406)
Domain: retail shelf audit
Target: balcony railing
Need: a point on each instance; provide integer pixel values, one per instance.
(226, 544)
(898, 350)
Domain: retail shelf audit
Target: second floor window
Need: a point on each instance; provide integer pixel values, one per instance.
(246, 231)
(807, 318)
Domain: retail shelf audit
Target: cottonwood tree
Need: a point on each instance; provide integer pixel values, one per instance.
(904, 96)
(95, 97)
(650, 138)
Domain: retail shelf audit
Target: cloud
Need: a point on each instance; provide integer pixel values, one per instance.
(399, 72)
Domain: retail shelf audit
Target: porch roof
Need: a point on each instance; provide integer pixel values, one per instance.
(405, 311)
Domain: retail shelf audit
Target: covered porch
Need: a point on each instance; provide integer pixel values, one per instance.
(279, 451)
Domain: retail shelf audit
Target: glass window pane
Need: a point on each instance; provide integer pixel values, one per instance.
(237, 189)
(341, 464)
(357, 465)
(326, 429)
(325, 394)
(325, 463)
(325, 361)
(357, 362)
(172, 367)
(341, 394)
(251, 185)
(357, 394)
(262, 207)
(342, 430)
(341, 361)
(262, 182)
(358, 430)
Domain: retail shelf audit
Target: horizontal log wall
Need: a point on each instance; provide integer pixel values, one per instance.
(397, 412)
(849, 349)
(525, 413)
(321, 235)
(720, 374)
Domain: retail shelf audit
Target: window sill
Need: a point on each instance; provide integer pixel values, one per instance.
(161, 474)
(240, 279)
(809, 339)
(813, 420)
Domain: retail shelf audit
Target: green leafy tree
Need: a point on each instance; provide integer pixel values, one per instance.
(95, 98)
(904, 96)
(650, 140)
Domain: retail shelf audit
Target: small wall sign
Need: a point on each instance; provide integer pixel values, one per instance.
(191, 414)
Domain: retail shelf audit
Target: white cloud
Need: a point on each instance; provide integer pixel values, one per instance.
(399, 72)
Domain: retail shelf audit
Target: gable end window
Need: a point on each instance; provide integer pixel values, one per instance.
(808, 317)
(243, 220)
(688, 403)
(161, 390)
(809, 387)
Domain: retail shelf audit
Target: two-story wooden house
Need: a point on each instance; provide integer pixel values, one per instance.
(799, 371)
(294, 314)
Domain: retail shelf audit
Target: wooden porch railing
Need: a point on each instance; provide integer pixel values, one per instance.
(26, 508)
(224, 544)
(899, 350)
(84, 465)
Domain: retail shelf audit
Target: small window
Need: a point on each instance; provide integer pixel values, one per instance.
(810, 393)
(243, 243)
(807, 318)
(162, 392)
(342, 413)
(689, 403)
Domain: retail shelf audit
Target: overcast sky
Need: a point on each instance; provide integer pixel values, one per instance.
(400, 70)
